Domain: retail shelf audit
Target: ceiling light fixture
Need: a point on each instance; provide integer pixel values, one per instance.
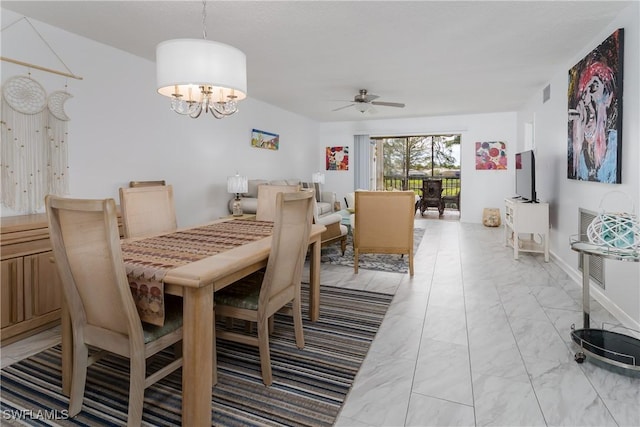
(201, 75)
(363, 107)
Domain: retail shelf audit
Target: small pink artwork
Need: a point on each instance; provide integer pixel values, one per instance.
(491, 155)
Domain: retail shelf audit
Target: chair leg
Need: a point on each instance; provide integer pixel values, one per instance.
(297, 322)
(177, 350)
(265, 355)
(79, 377)
(355, 260)
(136, 389)
(410, 263)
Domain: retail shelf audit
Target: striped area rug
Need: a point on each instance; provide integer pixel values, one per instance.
(309, 385)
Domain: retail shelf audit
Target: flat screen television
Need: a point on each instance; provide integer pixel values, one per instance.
(526, 176)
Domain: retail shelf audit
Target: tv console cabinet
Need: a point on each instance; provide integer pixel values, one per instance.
(526, 227)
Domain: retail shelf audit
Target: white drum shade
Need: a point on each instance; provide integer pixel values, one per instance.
(182, 65)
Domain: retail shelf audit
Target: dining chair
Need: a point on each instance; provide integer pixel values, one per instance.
(86, 248)
(266, 208)
(147, 210)
(259, 296)
(383, 224)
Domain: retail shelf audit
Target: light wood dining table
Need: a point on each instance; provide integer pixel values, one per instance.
(196, 282)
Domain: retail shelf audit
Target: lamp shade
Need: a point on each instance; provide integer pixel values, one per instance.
(183, 65)
(318, 177)
(237, 184)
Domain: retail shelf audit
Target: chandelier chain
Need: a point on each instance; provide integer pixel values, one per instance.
(204, 19)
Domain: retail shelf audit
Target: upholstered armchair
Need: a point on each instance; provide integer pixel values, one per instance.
(335, 230)
(383, 224)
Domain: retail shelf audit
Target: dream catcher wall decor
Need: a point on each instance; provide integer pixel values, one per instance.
(34, 144)
(34, 134)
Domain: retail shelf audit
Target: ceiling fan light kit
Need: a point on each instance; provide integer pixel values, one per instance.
(363, 107)
(363, 102)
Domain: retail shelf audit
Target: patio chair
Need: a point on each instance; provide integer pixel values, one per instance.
(431, 196)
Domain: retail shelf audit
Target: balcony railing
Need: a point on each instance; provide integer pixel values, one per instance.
(450, 186)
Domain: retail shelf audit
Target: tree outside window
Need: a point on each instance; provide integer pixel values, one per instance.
(421, 156)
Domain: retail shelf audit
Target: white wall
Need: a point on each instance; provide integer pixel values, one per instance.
(479, 188)
(622, 294)
(122, 130)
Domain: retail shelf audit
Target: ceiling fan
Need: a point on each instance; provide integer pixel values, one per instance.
(363, 102)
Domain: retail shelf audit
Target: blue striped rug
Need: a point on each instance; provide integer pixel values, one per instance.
(309, 385)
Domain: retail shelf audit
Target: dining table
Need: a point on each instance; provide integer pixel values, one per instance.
(196, 280)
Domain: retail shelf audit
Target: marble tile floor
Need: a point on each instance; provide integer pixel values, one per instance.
(475, 338)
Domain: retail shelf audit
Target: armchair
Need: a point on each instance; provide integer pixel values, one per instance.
(383, 224)
(335, 231)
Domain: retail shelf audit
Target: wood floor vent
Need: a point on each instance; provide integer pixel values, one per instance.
(596, 264)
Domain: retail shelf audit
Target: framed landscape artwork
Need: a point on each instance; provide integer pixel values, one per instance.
(594, 143)
(262, 139)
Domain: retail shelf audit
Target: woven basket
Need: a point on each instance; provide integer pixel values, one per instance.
(618, 230)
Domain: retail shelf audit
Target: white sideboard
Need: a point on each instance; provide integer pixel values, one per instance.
(526, 227)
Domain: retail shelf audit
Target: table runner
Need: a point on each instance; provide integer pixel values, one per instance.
(148, 260)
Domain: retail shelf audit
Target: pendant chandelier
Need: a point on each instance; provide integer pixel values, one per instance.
(201, 75)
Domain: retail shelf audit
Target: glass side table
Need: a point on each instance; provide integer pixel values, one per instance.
(608, 346)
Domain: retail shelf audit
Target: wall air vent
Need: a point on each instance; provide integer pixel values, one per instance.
(596, 263)
(546, 93)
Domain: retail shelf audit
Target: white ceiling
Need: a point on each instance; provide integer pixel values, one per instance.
(437, 57)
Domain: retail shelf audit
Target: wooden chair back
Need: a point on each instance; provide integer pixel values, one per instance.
(134, 184)
(266, 210)
(147, 210)
(384, 223)
(86, 247)
(289, 243)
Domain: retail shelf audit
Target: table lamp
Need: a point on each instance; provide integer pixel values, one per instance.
(317, 177)
(237, 184)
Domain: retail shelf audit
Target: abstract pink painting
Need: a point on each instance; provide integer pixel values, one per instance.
(491, 155)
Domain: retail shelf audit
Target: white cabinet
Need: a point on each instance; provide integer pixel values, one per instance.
(526, 227)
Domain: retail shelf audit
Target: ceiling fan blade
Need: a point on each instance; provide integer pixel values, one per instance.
(370, 97)
(388, 104)
(343, 107)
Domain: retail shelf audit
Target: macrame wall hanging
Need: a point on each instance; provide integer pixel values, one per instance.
(34, 140)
